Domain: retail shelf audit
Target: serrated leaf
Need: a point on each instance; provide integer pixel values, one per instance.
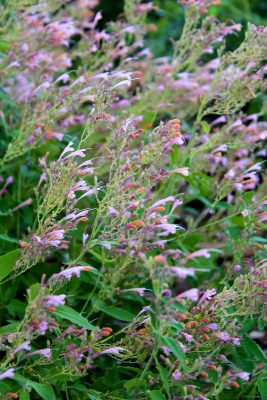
(73, 316)
(7, 262)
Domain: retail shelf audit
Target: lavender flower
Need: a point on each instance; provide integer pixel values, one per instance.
(46, 353)
(54, 300)
(115, 351)
(9, 373)
(23, 346)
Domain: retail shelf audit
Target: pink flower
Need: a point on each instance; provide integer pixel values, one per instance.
(54, 300)
(112, 211)
(225, 337)
(188, 338)
(166, 350)
(207, 296)
(70, 272)
(212, 326)
(191, 294)
(242, 375)
(181, 272)
(237, 267)
(183, 347)
(176, 375)
(181, 171)
(46, 353)
(42, 327)
(200, 253)
(167, 228)
(162, 202)
(140, 291)
(115, 351)
(23, 346)
(9, 373)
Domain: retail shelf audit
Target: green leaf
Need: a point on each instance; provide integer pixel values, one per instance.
(253, 349)
(7, 262)
(262, 387)
(45, 391)
(175, 348)
(205, 126)
(73, 316)
(156, 395)
(164, 377)
(33, 291)
(9, 328)
(7, 238)
(24, 395)
(116, 312)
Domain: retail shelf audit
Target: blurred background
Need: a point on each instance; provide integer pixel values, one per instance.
(169, 18)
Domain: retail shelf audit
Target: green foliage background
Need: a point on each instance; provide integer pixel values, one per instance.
(169, 18)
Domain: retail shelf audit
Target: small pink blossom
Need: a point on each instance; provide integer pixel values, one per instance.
(191, 294)
(70, 272)
(212, 326)
(242, 375)
(54, 300)
(207, 296)
(23, 346)
(140, 291)
(176, 376)
(181, 171)
(115, 351)
(188, 338)
(46, 353)
(166, 350)
(9, 373)
(182, 272)
(199, 253)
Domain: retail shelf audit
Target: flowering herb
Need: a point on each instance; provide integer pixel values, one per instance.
(133, 204)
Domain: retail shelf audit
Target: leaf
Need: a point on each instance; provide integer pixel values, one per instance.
(262, 387)
(7, 238)
(24, 395)
(7, 262)
(175, 348)
(45, 391)
(33, 291)
(9, 328)
(73, 316)
(253, 349)
(205, 126)
(156, 395)
(163, 377)
(116, 312)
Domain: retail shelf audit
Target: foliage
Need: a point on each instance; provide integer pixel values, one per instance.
(133, 201)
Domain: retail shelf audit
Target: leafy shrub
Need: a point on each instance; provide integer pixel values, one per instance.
(133, 205)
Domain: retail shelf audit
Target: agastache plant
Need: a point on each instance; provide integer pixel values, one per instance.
(133, 203)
